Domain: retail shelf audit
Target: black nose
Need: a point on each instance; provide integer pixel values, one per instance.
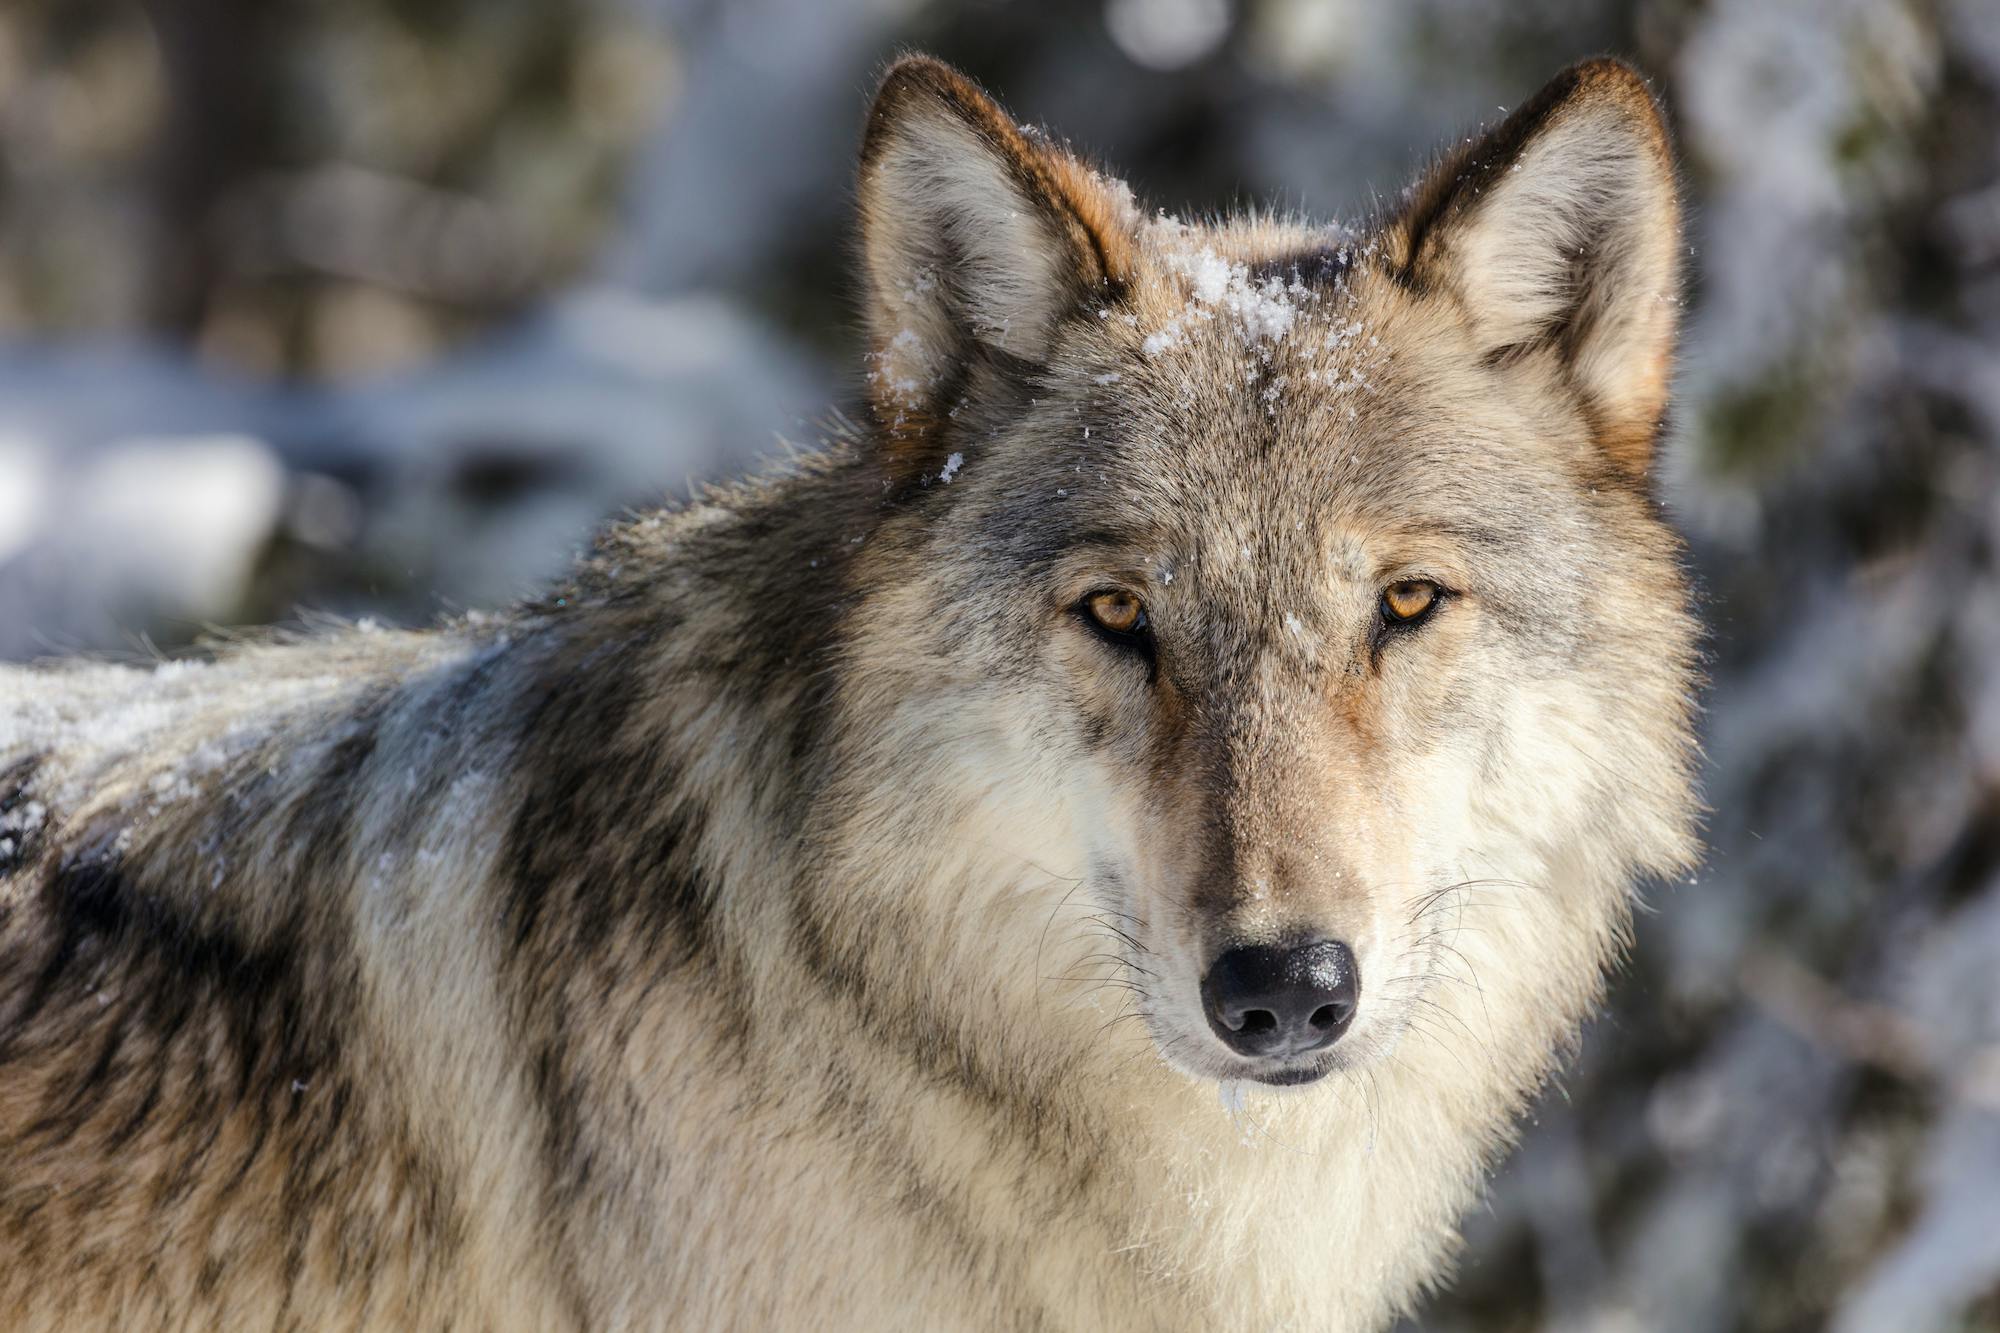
(1282, 1000)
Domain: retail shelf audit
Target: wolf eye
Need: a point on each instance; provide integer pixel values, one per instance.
(1118, 612)
(1408, 602)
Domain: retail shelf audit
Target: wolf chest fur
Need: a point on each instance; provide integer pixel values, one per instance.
(1114, 841)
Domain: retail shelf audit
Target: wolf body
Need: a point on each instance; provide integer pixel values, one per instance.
(808, 916)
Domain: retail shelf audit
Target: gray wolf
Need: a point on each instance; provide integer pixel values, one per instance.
(1113, 841)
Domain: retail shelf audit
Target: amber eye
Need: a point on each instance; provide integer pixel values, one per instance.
(1119, 612)
(1409, 600)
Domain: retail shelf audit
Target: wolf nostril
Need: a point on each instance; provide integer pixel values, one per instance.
(1275, 1000)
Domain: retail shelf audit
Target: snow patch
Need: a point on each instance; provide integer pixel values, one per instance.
(1263, 311)
(1161, 340)
(903, 367)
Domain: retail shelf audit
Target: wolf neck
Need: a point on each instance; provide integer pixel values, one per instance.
(1012, 1083)
(1257, 1209)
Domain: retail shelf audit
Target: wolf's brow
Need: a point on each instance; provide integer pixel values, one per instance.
(1472, 534)
(1117, 539)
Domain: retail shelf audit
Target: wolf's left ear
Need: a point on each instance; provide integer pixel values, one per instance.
(975, 236)
(1560, 230)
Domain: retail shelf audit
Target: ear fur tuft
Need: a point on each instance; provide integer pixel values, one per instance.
(1560, 230)
(975, 237)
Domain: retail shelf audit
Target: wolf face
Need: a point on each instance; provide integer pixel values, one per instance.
(1297, 587)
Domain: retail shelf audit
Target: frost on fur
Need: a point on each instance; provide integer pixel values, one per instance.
(1262, 310)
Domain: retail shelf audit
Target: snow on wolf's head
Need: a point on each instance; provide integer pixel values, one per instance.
(1287, 597)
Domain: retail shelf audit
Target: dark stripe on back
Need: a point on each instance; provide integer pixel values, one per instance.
(605, 892)
(604, 839)
(164, 965)
(188, 1046)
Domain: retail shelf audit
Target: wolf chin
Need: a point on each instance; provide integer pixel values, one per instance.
(1114, 841)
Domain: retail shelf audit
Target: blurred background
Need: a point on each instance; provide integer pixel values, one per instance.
(376, 307)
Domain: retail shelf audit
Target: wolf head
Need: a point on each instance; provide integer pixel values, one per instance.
(1287, 599)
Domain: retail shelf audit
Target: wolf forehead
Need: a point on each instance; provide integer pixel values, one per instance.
(1256, 388)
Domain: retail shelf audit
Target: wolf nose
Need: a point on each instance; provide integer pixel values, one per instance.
(1277, 1000)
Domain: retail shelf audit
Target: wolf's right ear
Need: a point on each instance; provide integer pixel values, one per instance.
(976, 239)
(1559, 232)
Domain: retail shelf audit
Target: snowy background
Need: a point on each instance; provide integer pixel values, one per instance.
(375, 308)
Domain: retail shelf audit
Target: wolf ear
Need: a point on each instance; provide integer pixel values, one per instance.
(1561, 230)
(974, 236)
